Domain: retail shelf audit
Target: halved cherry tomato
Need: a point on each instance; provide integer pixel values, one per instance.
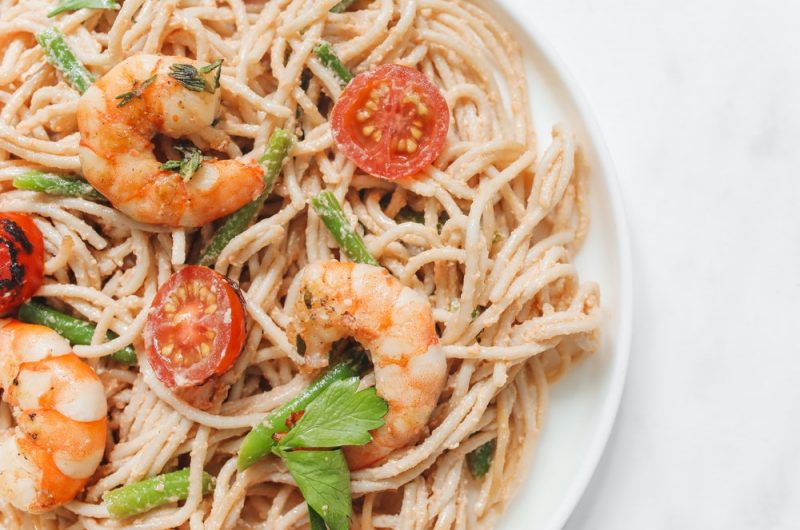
(391, 121)
(21, 260)
(196, 327)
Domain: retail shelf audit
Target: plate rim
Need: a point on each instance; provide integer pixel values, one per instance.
(607, 173)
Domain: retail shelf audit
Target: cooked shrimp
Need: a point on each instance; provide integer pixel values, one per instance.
(395, 324)
(60, 409)
(116, 148)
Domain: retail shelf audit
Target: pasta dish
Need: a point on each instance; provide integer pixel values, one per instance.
(277, 264)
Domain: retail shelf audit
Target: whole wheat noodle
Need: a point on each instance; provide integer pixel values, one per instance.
(502, 222)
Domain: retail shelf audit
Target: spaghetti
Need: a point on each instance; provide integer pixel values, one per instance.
(496, 222)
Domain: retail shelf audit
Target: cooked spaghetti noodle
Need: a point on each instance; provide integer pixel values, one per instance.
(503, 219)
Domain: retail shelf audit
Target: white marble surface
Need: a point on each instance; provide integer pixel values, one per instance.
(699, 102)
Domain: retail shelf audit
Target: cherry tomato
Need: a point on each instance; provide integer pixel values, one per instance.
(196, 327)
(21, 260)
(391, 121)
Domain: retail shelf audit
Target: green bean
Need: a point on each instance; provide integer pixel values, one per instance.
(277, 148)
(57, 185)
(73, 329)
(140, 497)
(74, 5)
(331, 61)
(342, 6)
(61, 56)
(331, 213)
(259, 442)
(480, 460)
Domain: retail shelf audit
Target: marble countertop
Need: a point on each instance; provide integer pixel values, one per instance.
(700, 106)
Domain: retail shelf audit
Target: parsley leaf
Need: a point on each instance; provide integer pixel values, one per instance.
(338, 416)
(136, 91)
(315, 520)
(74, 5)
(324, 480)
(193, 79)
(189, 164)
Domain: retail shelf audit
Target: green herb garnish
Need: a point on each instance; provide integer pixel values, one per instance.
(262, 439)
(136, 91)
(74, 5)
(189, 164)
(479, 461)
(316, 520)
(340, 415)
(216, 65)
(193, 79)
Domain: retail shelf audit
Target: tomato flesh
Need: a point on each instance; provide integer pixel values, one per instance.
(391, 121)
(21, 260)
(196, 327)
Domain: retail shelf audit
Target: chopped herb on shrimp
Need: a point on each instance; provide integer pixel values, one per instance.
(194, 79)
(189, 164)
(136, 91)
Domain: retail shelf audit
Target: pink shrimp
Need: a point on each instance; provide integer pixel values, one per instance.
(393, 322)
(60, 409)
(116, 149)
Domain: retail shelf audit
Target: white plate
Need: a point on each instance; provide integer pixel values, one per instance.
(584, 403)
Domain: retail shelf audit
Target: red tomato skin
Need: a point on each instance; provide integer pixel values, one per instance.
(227, 322)
(21, 260)
(382, 160)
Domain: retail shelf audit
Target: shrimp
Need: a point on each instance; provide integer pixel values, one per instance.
(395, 324)
(116, 148)
(60, 409)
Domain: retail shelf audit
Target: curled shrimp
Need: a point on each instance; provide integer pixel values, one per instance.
(117, 154)
(60, 409)
(395, 324)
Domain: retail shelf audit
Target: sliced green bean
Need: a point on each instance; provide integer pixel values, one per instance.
(57, 185)
(60, 55)
(331, 61)
(342, 6)
(74, 5)
(479, 461)
(140, 497)
(277, 148)
(259, 442)
(332, 215)
(73, 329)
